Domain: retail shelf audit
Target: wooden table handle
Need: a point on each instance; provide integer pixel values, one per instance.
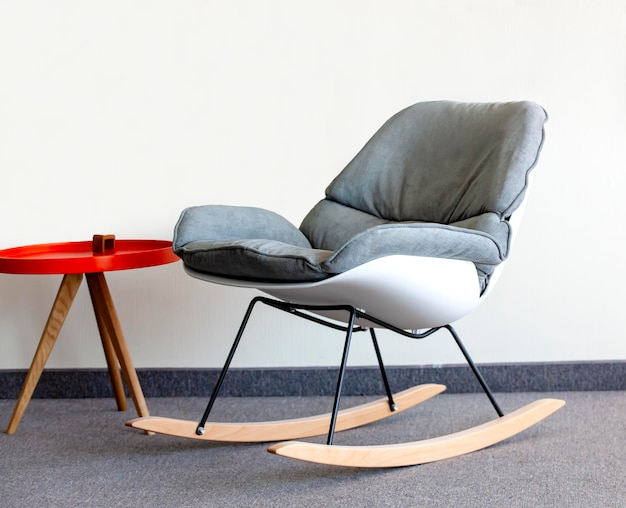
(102, 243)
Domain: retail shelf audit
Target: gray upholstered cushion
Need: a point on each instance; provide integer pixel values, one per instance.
(356, 237)
(438, 179)
(284, 255)
(248, 243)
(444, 162)
(226, 223)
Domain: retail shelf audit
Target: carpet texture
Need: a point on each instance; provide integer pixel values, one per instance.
(77, 452)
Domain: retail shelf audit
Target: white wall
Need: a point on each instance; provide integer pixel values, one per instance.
(115, 115)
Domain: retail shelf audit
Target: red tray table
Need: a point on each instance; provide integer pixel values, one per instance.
(91, 259)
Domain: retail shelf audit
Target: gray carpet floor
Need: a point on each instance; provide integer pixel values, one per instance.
(79, 453)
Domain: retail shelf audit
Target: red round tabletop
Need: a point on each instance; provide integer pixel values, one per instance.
(78, 257)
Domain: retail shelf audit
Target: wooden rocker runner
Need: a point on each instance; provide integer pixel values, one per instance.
(297, 428)
(411, 236)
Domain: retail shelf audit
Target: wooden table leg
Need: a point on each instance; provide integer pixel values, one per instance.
(103, 305)
(109, 351)
(60, 308)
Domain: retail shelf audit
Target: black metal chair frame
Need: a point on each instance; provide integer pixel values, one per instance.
(354, 314)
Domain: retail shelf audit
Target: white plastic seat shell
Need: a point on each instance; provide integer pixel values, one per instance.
(411, 292)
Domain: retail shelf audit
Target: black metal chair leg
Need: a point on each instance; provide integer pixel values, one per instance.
(392, 404)
(220, 380)
(475, 370)
(342, 372)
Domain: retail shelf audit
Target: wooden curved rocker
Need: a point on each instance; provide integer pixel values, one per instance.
(297, 428)
(411, 236)
(422, 452)
(376, 456)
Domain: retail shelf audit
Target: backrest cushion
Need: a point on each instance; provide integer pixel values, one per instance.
(444, 162)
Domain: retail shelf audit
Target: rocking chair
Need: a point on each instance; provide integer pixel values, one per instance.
(410, 237)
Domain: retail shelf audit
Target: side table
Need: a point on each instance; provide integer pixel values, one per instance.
(74, 260)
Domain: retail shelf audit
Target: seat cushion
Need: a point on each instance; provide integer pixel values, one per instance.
(287, 256)
(355, 238)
